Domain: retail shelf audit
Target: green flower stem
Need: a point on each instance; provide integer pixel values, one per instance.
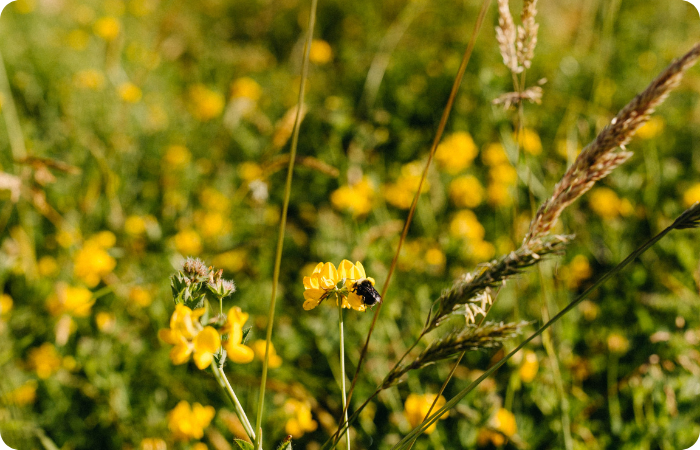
(226, 386)
(342, 367)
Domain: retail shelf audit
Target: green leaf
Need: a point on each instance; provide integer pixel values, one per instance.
(286, 444)
(246, 332)
(239, 444)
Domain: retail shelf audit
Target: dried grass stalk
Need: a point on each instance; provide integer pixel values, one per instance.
(532, 94)
(527, 34)
(506, 35)
(600, 157)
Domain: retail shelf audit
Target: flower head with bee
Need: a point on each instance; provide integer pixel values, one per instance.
(349, 283)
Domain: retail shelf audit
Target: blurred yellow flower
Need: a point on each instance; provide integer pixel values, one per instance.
(140, 8)
(692, 195)
(72, 300)
(651, 129)
(604, 202)
(188, 242)
(401, 193)
(247, 88)
(107, 28)
(78, 39)
(153, 444)
(45, 360)
(5, 304)
(466, 192)
(232, 260)
(481, 250)
(494, 154)
(129, 92)
(47, 266)
(617, 343)
(135, 225)
(356, 198)
(105, 321)
(92, 261)
(188, 337)
(236, 350)
(417, 406)
(250, 171)
(456, 152)
(300, 420)
(529, 367)
(214, 200)
(200, 446)
(23, 395)
(502, 426)
(503, 174)
(105, 239)
(25, 6)
(187, 422)
(320, 52)
(259, 348)
(212, 224)
(464, 224)
(499, 194)
(140, 296)
(435, 257)
(578, 270)
(529, 141)
(205, 103)
(177, 157)
(89, 79)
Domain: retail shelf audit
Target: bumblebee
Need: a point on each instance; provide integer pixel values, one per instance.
(365, 289)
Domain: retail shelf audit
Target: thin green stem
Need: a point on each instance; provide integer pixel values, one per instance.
(342, 367)
(9, 111)
(226, 386)
(283, 221)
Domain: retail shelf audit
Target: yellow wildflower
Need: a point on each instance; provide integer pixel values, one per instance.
(605, 203)
(105, 321)
(435, 257)
(692, 195)
(188, 242)
(177, 157)
(236, 350)
(153, 444)
(300, 421)
(499, 194)
(503, 174)
(78, 39)
(481, 250)
(356, 198)
(320, 52)
(105, 239)
(199, 446)
(466, 192)
(324, 281)
(135, 225)
(129, 92)
(401, 193)
(530, 142)
(651, 129)
(89, 79)
(259, 348)
(247, 88)
(232, 260)
(47, 266)
(92, 262)
(464, 224)
(205, 103)
(617, 343)
(494, 154)
(187, 422)
(578, 270)
(190, 338)
(23, 395)
(528, 368)
(250, 171)
(45, 360)
(75, 301)
(456, 152)
(107, 28)
(502, 426)
(417, 407)
(5, 304)
(140, 296)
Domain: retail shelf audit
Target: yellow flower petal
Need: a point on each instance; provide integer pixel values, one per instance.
(329, 275)
(345, 269)
(239, 353)
(311, 304)
(202, 359)
(361, 270)
(180, 353)
(207, 340)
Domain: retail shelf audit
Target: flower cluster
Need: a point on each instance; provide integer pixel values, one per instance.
(355, 198)
(326, 280)
(300, 420)
(417, 406)
(188, 422)
(92, 261)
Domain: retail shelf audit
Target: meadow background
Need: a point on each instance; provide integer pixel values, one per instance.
(152, 130)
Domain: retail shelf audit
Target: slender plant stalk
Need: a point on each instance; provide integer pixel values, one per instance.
(9, 112)
(342, 368)
(689, 219)
(433, 148)
(226, 386)
(283, 222)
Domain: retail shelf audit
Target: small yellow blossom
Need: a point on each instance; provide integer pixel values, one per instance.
(300, 420)
(692, 195)
(356, 198)
(47, 266)
(464, 224)
(5, 304)
(530, 142)
(320, 52)
(188, 337)
(502, 426)
(651, 129)
(105, 321)
(494, 155)
(75, 301)
(417, 407)
(200, 446)
(140, 296)
(92, 261)
(153, 444)
(503, 174)
(605, 203)
(232, 260)
(401, 193)
(250, 171)
(89, 79)
(214, 200)
(499, 194)
(259, 348)
(188, 242)
(529, 367)
(177, 157)
(482, 250)
(187, 422)
(247, 88)
(212, 224)
(466, 192)
(205, 103)
(78, 39)
(617, 343)
(135, 225)
(578, 270)
(105, 239)
(236, 350)
(23, 395)
(45, 360)
(129, 92)
(107, 28)
(435, 257)
(456, 152)
(324, 280)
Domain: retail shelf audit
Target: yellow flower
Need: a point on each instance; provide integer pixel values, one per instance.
(188, 242)
(494, 155)
(188, 337)
(153, 444)
(250, 171)
(177, 157)
(692, 195)
(356, 198)
(200, 446)
(236, 350)
(205, 103)
(503, 174)
(259, 348)
(464, 224)
(481, 250)
(47, 266)
(5, 304)
(135, 225)
(320, 52)
(92, 262)
(324, 281)
(45, 360)
(140, 296)
(247, 88)
(232, 260)
(23, 395)
(105, 321)
(417, 407)
(456, 152)
(300, 420)
(89, 79)
(504, 426)
(187, 422)
(530, 142)
(107, 28)
(578, 270)
(617, 343)
(25, 6)
(129, 92)
(78, 39)
(528, 369)
(435, 257)
(652, 128)
(466, 192)
(401, 193)
(75, 301)
(605, 203)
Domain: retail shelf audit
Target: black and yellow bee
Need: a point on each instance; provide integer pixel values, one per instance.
(365, 289)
